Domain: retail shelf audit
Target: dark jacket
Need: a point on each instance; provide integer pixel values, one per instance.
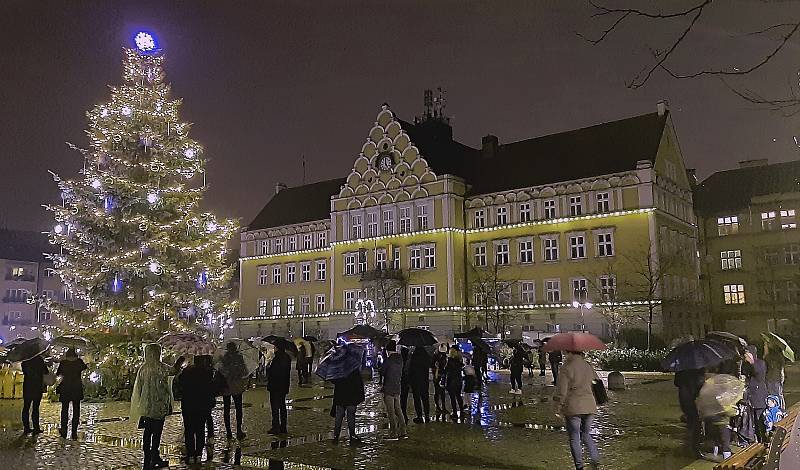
(349, 391)
(453, 380)
(479, 357)
(71, 386)
(419, 365)
(775, 365)
(689, 383)
(33, 381)
(438, 363)
(279, 372)
(517, 359)
(555, 357)
(198, 386)
(301, 363)
(756, 385)
(392, 373)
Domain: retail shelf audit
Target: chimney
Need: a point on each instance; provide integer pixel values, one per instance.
(752, 163)
(279, 187)
(662, 106)
(489, 145)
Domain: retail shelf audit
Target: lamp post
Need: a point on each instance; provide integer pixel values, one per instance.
(581, 303)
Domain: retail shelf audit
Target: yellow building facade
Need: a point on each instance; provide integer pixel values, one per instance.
(427, 232)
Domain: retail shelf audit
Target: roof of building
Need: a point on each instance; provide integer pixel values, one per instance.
(734, 189)
(298, 204)
(21, 245)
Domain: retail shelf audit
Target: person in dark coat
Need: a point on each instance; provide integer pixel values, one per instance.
(278, 377)
(33, 370)
(232, 367)
(555, 362)
(198, 388)
(301, 364)
(689, 383)
(517, 360)
(438, 364)
(542, 362)
(70, 390)
(404, 384)
(391, 372)
(755, 370)
(776, 363)
(454, 381)
(419, 377)
(347, 394)
(479, 360)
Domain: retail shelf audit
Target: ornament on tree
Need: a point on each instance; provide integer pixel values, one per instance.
(109, 204)
(96, 184)
(116, 284)
(202, 279)
(126, 111)
(155, 268)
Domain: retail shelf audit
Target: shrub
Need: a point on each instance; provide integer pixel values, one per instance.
(627, 359)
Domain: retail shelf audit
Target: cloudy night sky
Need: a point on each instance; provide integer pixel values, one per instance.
(268, 82)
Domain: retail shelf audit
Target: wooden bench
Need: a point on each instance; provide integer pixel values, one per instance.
(759, 456)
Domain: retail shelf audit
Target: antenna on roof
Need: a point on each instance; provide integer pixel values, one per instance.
(428, 104)
(439, 103)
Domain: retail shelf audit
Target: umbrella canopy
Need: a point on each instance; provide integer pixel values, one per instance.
(697, 355)
(340, 361)
(517, 342)
(282, 343)
(71, 341)
(776, 341)
(310, 338)
(187, 344)
(727, 338)
(476, 332)
(416, 337)
(248, 351)
(28, 349)
(480, 344)
(361, 332)
(574, 341)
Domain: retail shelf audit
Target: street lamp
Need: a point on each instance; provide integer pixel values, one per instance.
(581, 306)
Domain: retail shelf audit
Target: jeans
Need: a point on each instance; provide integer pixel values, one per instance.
(194, 433)
(30, 412)
(226, 411)
(151, 441)
(351, 420)
(397, 424)
(277, 403)
(422, 400)
(76, 416)
(578, 427)
(516, 379)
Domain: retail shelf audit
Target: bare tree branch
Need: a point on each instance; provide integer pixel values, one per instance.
(606, 32)
(604, 10)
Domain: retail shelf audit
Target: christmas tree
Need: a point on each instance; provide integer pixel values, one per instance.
(134, 242)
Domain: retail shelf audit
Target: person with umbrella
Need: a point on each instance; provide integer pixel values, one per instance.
(575, 401)
(419, 378)
(555, 358)
(755, 371)
(392, 371)
(151, 402)
(70, 390)
(234, 370)
(303, 361)
(197, 401)
(480, 358)
(516, 366)
(348, 393)
(30, 353)
(542, 361)
(278, 378)
(454, 381)
(776, 352)
(438, 364)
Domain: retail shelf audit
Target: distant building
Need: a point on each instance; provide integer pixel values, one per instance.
(25, 274)
(427, 232)
(750, 248)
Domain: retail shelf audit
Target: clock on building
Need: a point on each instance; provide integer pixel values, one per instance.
(385, 161)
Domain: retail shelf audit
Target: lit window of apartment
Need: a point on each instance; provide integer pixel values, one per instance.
(308, 243)
(575, 205)
(479, 220)
(731, 259)
(608, 287)
(502, 215)
(372, 224)
(430, 295)
(527, 293)
(357, 228)
(405, 219)
(350, 297)
(552, 290)
(18, 271)
(396, 258)
(279, 245)
(276, 307)
(305, 304)
(292, 243)
(791, 253)
(320, 298)
(262, 307)
(290, 272)
(321, 270)
(388, 222)
(605, 244)
(305, 272)
(263, 247)
(728, 225)
(577, 246)
(501, 252)
(788, 219)
(550, 248)
(415, 292)
(525, 212)
(525, 250)
(550, 209)
(603, 202)
(429, 253)
(350, 263)
(290, 305)
(768, 221)
(580, 289)
(322, 239)
(422, 218)
(415, 257)
(733, 293)
(276, 274)
(380, 258)
(479, 254)
(263, 275)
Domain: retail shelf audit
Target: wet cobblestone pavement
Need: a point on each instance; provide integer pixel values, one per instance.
(638, 429)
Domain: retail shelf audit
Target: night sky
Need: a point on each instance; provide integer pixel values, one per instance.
(267, 82)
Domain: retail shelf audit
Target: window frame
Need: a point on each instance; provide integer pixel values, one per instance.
(525, 254)
(603, 201)
(502, 258)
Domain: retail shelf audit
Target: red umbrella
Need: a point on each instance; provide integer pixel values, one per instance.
(573, 341)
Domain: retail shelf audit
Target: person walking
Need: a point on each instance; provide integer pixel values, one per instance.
(755, 371)
(479, 360)
(419, 378)
(404, 383)
(776, 364)
(301, 364)
(278, 378)
(689, 383)
(438, 364)
(574, 401)
(454, 381)
(33, 371)
(198, 396)
(151, 402)
(555, 363)
(234, 370)
(348, 393)
(516, 366)
(542, 362)
(392, 373)
(70, 390)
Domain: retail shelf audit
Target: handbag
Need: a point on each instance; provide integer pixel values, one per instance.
(599, 392)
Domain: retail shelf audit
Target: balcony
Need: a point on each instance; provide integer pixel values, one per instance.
(21, 278)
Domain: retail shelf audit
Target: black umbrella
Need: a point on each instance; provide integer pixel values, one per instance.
(697, 354)
(361, 332)
(281, 343)
(416, 337)
(476, 332)
(28, 350)
(728, 339)
(341, 361)
(480, 344)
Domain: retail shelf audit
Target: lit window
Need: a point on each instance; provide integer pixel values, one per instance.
(502, 215)
(305, 304)
(396, 258)
(768, 221)
(356, 230)
(305, 272)
(263, 275)
(430, 295)
(526, 292)
(321, 270)
(525, 212)
(731, 259)
(728, 225)
(416, 258)
(526, 251)
(575, 205)
(350, 297)
(292, 243)
(605, 244)
(603, 202)
(733, 293)
(608, 287)
(429, 253)
(552, 288)
(290, 271)
(17, 271)
(422, 217)
(405, 219)
(501, 252)
(262, 307)
(791, 253)
(350, 264)
(307, 242)
(290, 305)
(788, 219)
(372, 224)
(380, 258)
(480, 218)
(550, 249)
(276, 274)
(416, 295)
(550, 209)
(276, 307)
(577, 247)
(320, 303)
(479, 252)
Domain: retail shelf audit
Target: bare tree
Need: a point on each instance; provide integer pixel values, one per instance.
(492, 296)
(613, 304)
(388, 287)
